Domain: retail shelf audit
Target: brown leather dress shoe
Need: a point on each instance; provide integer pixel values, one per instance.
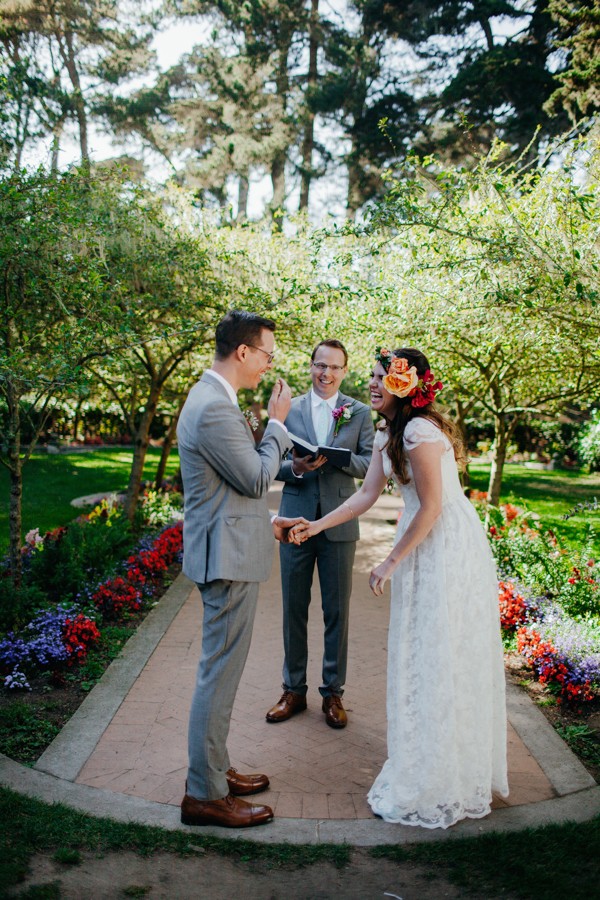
(289, 704)
(228, 812)
(335, 714)
(245, 784)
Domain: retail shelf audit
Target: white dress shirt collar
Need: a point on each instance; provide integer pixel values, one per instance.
(316, 400)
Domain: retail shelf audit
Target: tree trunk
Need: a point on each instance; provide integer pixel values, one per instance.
(15, 467)
(140, 447)
(278, 182)
(78, 101)
(56, 136)
(502, 434)
(487, 30)
(167, 446)
(309, 131)
(243, 188)
(16, 520)
(461, 417)
(77, 419)
(282, 80)
(354, 197)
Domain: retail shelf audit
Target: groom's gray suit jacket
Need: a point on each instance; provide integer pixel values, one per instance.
(227, 530)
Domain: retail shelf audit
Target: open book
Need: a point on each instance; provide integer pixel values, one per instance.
(337, 456)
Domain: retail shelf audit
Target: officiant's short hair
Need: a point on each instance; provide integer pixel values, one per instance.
(239, 327)
(337, 345)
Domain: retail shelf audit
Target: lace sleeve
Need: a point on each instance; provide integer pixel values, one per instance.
(381, 438)
(423, 431)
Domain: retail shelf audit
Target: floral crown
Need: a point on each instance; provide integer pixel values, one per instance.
(403, 381)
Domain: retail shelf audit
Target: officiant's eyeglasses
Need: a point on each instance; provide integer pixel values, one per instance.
(322, 367)
(270, 356)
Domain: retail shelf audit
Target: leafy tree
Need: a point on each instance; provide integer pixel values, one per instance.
(167, 294)
(60, 54)
(247, 77)
(486, 85)
(364, 84)
(55, 313)
(495, 275)
(579, 38)
(589, 442)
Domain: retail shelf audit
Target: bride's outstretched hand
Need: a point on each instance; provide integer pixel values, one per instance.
(378, 577)
(282, 527)
(302, 532)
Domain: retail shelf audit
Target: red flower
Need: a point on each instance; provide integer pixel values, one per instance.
(117, 597)
(513, 610)
(78, 636)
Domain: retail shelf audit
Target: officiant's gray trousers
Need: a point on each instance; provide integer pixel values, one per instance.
(229, 608)
(334, 561)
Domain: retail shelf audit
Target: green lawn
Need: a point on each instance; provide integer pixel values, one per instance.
(51, 482)
(549, 494)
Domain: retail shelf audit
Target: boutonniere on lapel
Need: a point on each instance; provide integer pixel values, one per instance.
(251, 419)
(341, 415)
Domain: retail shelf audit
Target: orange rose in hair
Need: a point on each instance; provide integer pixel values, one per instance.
(400, 379)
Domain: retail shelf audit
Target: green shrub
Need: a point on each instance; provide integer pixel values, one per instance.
(82, 554)
(589, 442)
(536, 557)
(17, 604)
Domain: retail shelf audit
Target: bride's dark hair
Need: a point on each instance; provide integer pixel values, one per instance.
(405, 411)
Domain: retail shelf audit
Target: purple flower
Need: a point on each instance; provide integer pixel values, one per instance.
(16, 681)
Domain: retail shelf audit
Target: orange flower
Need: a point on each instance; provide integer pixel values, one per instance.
(400, 380)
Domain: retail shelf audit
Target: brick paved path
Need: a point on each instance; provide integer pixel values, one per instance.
(316, 772)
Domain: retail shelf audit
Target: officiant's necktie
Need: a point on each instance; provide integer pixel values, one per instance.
(323, 422)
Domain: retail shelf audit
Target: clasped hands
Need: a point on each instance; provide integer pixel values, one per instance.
(291, 531)
(282, 528)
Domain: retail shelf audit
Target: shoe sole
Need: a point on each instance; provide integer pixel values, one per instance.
(335, 724)
(190, 820)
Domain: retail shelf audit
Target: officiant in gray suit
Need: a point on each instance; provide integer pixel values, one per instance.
(323, 416)
(228, 544)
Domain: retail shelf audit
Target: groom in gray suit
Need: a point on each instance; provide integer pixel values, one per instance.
(228, 543)
(325, 417)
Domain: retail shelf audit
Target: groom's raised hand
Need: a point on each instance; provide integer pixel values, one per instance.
(282, 526)
(279, 401)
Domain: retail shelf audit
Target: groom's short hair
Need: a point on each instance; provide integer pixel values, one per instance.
(239, 327)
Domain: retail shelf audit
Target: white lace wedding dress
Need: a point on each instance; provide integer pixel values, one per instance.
(445, 692)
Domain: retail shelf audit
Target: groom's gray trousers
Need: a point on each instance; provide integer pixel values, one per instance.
(229, 609)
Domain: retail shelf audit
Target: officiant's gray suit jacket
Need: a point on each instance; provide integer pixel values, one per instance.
(318, 493)
(227, 530)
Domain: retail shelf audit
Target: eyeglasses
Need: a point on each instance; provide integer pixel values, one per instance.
(270, 356)
(322, 367)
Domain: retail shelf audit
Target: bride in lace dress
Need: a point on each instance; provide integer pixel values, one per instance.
(445, 691)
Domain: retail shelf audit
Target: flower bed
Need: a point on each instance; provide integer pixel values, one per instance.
(549, 598)
(60, 637)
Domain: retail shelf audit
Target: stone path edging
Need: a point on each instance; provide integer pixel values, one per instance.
(579, 807)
